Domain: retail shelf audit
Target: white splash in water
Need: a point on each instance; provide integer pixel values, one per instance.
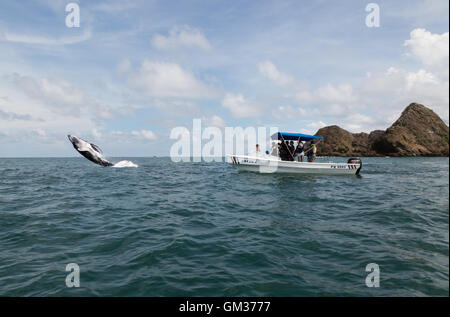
(125, 164)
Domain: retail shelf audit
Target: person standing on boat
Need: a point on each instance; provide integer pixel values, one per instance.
(284, 151)
(299, 150)
(273, 149)
(291, 148)
(312, 152)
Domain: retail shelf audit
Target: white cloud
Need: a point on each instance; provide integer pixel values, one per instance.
(431, 49)
(160, 79)
(269, 70)
(144, 134)
(357, 122)
(316, 125)
(239, 107)
(330, 99)
(96, 133)
(342, 93)
(46, 109)
(391, 91)
(6, 115)
(175, 107)
(327, 100)
(130, 137)
(312, 127)
(184, 36)
(289, 112)
(42, 40)
(381, 96)
(53, 91)
(214, 121)
(420, 78)
(63, 97)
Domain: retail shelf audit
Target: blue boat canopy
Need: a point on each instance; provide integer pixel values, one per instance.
(294, 136)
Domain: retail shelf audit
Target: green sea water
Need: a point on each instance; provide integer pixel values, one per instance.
(203, 229)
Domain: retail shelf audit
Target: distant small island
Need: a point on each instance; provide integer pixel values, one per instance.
(418, 132)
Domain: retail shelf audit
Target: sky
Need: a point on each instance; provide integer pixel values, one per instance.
(134, 70)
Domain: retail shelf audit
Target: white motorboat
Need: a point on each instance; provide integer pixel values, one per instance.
(265, 163)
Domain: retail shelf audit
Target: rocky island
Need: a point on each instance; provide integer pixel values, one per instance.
(419, 131)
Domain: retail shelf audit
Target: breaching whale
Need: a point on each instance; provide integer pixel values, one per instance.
(93, 153)
(89, 150)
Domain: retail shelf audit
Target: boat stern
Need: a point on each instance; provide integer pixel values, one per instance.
(357, 161)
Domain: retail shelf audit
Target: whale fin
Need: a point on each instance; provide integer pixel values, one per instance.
(95, 147)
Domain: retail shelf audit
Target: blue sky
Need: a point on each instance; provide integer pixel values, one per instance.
(133, 71)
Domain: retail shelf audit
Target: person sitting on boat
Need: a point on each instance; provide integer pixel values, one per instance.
(299, 150)
(257, 149)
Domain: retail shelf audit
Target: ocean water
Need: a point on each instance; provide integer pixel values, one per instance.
(203, 229)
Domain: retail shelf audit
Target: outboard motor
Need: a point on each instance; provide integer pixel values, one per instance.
(355, 160)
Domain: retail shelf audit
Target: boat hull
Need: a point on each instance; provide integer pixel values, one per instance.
(267, 165)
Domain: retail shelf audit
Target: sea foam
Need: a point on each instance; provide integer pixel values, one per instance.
(125, 164)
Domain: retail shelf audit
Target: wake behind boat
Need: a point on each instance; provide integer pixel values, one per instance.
(271, 162)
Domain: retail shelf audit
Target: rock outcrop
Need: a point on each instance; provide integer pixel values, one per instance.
(418, 132)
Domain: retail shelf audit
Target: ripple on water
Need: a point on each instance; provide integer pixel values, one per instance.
(167, 229)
